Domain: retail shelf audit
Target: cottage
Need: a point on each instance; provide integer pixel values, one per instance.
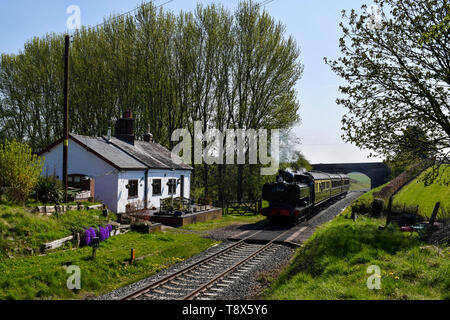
(124, 172)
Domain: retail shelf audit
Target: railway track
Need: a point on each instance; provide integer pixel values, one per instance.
(207, 278)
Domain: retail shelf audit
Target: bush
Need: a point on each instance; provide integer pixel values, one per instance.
(361, 207)
(376, 209)
(49, 190)
(19, 170)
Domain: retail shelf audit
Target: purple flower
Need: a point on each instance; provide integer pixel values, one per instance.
(92, 232)
(87, 237)
(101, 233)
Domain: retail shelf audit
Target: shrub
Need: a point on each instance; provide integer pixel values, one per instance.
(361, 207)
(49, 190)
(19, 170)
(376, 209)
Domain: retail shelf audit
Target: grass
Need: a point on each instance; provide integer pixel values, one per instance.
(333, 264)
(224, 222)
(416, 193)
(32, 276)
(45, 277)
(359, 181)
(243, 217)
(34, 203)
(21, 230)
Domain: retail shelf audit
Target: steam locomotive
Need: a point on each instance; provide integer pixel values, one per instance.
(295, 193)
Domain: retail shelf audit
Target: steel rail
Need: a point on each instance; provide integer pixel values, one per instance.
(208, 284)
(170, 277)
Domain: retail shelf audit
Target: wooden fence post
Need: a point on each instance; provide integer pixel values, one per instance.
(434, 214)
(389, 211)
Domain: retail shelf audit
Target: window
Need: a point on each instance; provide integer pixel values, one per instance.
(322, 186)
(172, 186)
(156, 187)
(132, 186)
(74, 181)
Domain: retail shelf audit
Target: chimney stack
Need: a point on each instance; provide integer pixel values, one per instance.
(148, 137)
(125, 128)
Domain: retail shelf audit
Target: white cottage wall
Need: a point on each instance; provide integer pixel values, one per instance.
(86, 163)
(165, 175)
(122, 197)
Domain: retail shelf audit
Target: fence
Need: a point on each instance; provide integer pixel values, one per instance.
(178, 203)
(243, 207)
(404, 178)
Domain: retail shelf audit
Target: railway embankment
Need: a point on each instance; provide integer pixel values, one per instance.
(356, 259)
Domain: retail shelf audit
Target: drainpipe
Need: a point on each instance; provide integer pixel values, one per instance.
(146, 190)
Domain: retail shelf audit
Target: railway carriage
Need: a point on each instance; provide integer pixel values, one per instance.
(295, 193)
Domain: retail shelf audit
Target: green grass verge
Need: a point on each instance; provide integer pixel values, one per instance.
(21, 230)
(44, 277)
(224, 222)
(333, 264)
(416, 193)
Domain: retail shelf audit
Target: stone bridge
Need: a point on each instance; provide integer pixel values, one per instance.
(378, 172)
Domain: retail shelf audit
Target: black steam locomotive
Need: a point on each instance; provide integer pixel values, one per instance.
(296, 192)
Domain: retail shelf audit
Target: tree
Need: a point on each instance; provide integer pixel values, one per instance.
(266, 69)
(227, 70)
(396, 80)
(19, 170)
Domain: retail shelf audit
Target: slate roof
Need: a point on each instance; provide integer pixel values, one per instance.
(122, 155)
(152, 154)
(109, 152)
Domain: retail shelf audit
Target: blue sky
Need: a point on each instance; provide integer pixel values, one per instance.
(314, 24)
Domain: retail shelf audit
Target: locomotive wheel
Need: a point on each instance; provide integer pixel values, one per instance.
(272, 220)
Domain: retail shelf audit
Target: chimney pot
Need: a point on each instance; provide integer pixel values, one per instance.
(148, 137)
(128, 114)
